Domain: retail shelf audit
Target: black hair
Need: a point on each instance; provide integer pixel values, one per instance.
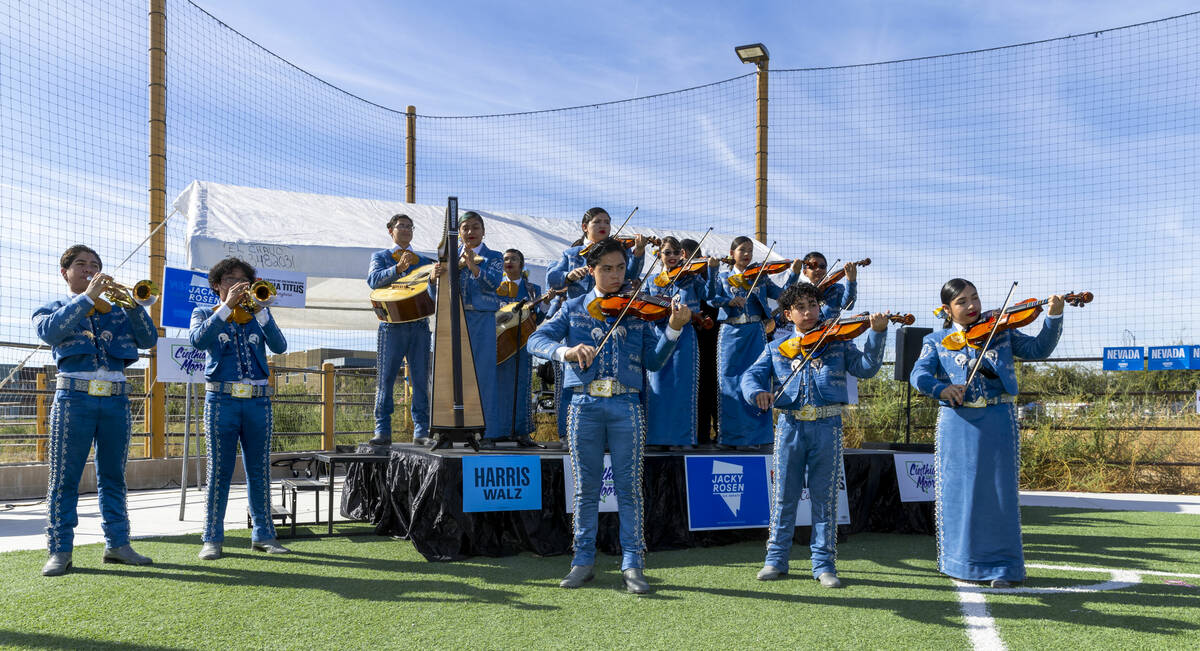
(468, 216)
(792, 295)
(519, 255)
(738, 241)
(227, 266)
(397, 217)
(950, 291)
(813, 255)
(68, 256)
(603, 248)
(670, 240)
(588, 216)
(688, 245)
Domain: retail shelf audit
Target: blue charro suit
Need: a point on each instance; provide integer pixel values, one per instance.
(99, 346)
(977, 453)
(556, 275)
(809, 444)
(237, 356)
(671, 392)
(514, 379)
(595, 422)
(740, 340)
(395, 343)
(480, 303)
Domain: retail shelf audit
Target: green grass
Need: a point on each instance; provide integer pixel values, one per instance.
(370, 592)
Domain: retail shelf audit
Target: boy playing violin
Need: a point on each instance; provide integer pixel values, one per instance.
(808, 433)
(604, 383)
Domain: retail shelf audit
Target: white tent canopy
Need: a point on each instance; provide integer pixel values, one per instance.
(331, 239)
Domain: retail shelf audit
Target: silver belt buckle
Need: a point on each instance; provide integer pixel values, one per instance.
(601, 388)
(240, 390)
(808, 412)
(977, 403)
(100, 388)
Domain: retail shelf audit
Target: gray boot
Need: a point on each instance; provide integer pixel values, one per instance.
(770, 573)
(635, 581)
(271, 546)
(57, 564)
(125, 554)
(211, 551)
(579, 575)
(829, 580)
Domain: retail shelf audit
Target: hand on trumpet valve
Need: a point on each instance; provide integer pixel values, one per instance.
(97, 285)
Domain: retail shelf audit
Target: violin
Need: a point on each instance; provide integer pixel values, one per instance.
(837, 276)
(843, 329)
(642, 306)
(627, 241)
(1016, 316)
(747, 278)
(684, 270)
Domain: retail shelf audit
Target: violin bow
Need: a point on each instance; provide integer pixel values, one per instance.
(807, 357)
(635, 209)
(759, 274)
(624, 310)
(695, 252)
(986, 344)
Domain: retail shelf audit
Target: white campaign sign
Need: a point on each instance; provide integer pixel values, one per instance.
(804, 507)
(608, 495)
(915, 477)
(179, 361)
(291, 286)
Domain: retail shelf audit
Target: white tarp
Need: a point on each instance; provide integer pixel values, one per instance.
(332, 238)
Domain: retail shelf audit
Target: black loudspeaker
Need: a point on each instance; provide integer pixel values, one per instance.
(908, 348)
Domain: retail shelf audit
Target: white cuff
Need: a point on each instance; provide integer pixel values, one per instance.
(262, 316)
(560, 354)
(223, 312)
(88, 299)
(673, 334)
(1054, 316)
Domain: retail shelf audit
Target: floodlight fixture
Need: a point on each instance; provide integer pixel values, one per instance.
(755, 53)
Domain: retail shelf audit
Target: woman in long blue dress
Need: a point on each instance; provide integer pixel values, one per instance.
(740, 341)
(672, 390)
(978, 444)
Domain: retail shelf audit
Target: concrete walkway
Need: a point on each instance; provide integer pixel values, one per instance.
(151, 513)
(156, 512)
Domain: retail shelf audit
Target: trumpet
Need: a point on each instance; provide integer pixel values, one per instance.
(143, 293)
(261, 294)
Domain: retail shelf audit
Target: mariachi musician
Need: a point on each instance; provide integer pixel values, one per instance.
(396, 342)
(514, 376)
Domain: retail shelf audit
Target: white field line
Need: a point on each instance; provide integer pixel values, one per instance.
(981, 628)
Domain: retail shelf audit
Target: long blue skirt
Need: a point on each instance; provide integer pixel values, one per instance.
(671, 395)
(741, 423)
(514, 395)
(978, 516)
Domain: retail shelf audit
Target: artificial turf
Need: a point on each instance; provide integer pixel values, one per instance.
(370, 592)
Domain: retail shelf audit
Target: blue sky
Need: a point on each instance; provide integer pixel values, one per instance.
(473, 58)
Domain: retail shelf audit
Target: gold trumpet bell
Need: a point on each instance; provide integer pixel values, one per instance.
(262, 293)
(143, 293)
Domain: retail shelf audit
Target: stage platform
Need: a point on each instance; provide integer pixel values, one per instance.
(418, 496)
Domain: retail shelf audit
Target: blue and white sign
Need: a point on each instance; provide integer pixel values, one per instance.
(608, 494)
(502, 483)
(1167, 358)
(184, 290)
(1123, 358)
(1194, 358)
(914, 477)
(179, 361)
(726, 492)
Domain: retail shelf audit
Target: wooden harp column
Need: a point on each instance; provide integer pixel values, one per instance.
(455, 410)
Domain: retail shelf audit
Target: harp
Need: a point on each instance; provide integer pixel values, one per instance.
(455, 411)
